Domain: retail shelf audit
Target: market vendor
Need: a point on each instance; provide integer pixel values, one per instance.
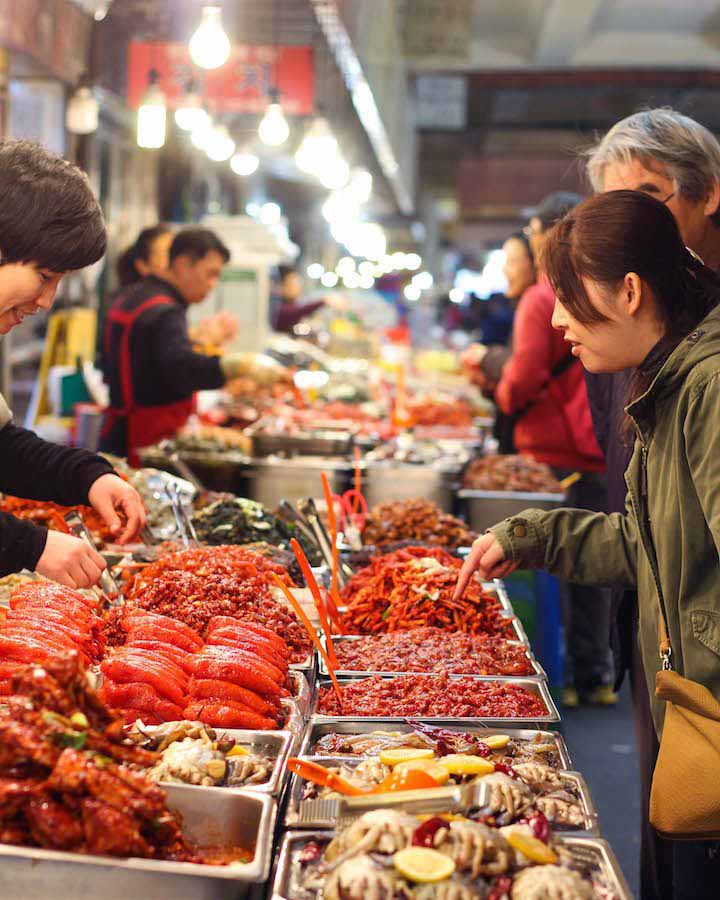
(50, 224)
(148, 358)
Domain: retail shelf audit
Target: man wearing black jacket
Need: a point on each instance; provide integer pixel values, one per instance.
(50, 224)
(676, 160)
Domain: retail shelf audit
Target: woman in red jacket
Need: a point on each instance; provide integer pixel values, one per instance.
(543, 387)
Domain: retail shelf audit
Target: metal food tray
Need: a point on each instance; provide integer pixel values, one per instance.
(275, 745)
(209, 817)
(286, 885)
(294, 805)
(318, 727)
(536, 686)
(324, 442)
(538, 671)
(302, 692)
(487, 508)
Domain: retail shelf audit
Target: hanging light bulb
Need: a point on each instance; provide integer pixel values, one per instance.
(274, 129)
(191, 114)
(244, 163)
(335, 174)
(318, 147)
(219, 145)
(152, 115)
(81, 115)
(210, 46)
(360, 186)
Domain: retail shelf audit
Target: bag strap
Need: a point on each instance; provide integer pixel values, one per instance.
(665, 646)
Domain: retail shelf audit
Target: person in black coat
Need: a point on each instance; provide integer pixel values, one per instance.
(50, 224)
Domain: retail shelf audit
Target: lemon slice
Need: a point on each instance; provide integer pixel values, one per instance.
(238, 751)
(460, 764)
(496, 741)
(424, 865)
(432, 766)
(530, 846)
(404, 754)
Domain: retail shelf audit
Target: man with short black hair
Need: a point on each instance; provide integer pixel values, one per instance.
(50, 224)
(148, 358)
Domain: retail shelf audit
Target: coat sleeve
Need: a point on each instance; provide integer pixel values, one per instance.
(176, 360)
(494, 360)
(36, 469)
(526, 374)
(21, 544)
(580, 546)
(702, 442)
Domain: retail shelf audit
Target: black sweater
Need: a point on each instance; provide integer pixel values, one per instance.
(38, 470)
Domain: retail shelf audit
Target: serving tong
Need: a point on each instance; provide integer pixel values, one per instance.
(343, 810)
(183, 522)
(109, 587)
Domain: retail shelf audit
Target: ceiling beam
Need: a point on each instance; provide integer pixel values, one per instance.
(564, 28)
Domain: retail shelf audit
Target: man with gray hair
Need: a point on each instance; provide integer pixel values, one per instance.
(677, 160)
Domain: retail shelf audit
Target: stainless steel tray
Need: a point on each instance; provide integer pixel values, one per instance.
(319, 727)
(208, 817)
(487, 508)
(286, 886)
(573, 780)
(536, 686)
(538, 671)
(275, 745)
(302, 692)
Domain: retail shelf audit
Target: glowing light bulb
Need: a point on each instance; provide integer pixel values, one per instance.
(244, 163)
(318, 147)
(315, 271)
(152, 116)
(81, 116)
(219, 146)
(360, 186)
(334, 174)
(423, 280)
(191, 115)
(200, 136)
(274, 129)
(329, 279)
(270, 213)
(412, 261)
(210, 46)
(412, 293)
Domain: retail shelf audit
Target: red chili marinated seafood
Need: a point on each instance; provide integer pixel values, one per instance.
(434, 650)
(432, 695)
(417, 520)
(414, 587)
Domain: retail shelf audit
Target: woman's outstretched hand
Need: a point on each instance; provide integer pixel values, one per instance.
(487, 559)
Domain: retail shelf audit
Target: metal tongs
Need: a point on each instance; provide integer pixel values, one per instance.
(183, 522)
(79, 529)
(344, 810)
(308, 509)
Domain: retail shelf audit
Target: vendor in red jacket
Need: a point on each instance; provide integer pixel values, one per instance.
(148, 358)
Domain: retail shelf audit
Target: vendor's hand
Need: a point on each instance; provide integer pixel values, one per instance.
(70, 561)
(487, 559)
(115, 499)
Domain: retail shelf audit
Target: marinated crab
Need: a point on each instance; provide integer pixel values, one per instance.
(550, 883)
(507, 795)
(475, 848)
(380, 830)
(361, 878)
(453, 889)
(538, 776)
(561, 810)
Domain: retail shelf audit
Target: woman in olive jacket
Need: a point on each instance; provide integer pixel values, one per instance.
(630, 295)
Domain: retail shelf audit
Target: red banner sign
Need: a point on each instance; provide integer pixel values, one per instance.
(240, 86)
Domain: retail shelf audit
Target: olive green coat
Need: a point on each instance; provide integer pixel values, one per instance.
(668, 539)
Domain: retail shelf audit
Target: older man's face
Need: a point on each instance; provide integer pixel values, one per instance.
(652, 178)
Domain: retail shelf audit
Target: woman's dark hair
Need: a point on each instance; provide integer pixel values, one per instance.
(282, 271)
(48, 214)
(520, 236)
(611, 234)
(197, 243)
(142, 249)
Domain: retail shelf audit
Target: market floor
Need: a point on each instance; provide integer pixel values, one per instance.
(602, 746)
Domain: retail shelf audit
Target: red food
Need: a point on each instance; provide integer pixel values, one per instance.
(251, 645)
(139, 697)
(214, 689)
(239, 673)
(184, 637)
(169, 651)
(51, 594)
(432, 695)
(434, 650)
(225, 623)
(415, 520)
(126, 669)
(225, 714)
(414, 587)
(248, 656)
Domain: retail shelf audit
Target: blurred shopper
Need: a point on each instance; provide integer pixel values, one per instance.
(676, 160)
(484, 362)
(649, 305)
(542, 391)
(50, 224)
(149, 255)
(286, 308)
(148, 358)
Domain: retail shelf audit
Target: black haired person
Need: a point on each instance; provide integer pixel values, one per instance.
(148, 357)
(50, 224)
(149, 255)
(286, 310)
